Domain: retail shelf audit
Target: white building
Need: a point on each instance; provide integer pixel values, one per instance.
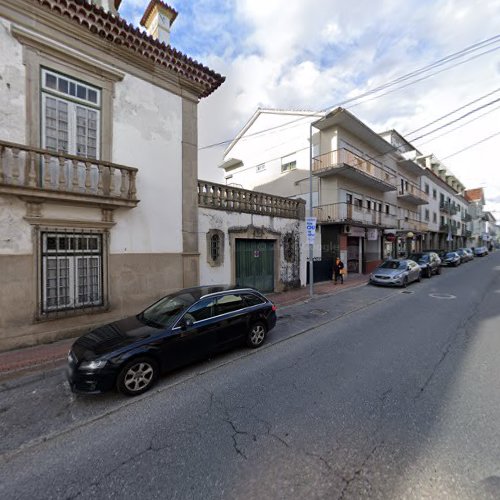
(98, 165)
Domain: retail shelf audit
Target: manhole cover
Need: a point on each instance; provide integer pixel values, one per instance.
(445, 296)
(318, 312)
(407, 291)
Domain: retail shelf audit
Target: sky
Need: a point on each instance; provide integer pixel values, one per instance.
(315, 54)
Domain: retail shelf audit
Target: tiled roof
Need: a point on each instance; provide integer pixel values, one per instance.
(150, 7)
(116, 30)
(474, 194)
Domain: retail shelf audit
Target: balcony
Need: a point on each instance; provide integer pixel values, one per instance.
(349, 213)
(233, 199)
(466, 218)
(413, 194)
(348, 164)
(468, 233)
(448, 208)
(42, 175)
(444, 228)
(409, 224)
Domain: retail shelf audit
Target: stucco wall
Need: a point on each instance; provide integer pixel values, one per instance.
(12, 87)
(227, 221)
(15, 233)
(147, 134)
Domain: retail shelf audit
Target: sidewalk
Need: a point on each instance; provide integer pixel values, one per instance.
(47, 356)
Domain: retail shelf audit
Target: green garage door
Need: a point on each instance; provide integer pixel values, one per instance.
(255, 264)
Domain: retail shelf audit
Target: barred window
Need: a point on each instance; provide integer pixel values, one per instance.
(215, 247)
(289, 247)
(72, 270)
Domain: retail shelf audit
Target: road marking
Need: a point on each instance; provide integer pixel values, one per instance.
(444, 296)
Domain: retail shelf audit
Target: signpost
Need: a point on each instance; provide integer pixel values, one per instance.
(311, 230)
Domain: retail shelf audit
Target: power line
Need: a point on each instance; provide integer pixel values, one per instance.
(440, 62)
(470, 146)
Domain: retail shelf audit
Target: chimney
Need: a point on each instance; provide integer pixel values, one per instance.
(110, 6)
(158, 19)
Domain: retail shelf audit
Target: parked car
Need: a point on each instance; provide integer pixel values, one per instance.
(397, 272)
(429, 262)
(180, 328)
(464, 256)
(480, 251)
(470, 252)
(450, 259)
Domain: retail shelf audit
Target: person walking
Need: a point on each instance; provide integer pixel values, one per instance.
(338, 271)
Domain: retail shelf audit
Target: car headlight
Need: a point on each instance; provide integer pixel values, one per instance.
(92, 365)
(400, 275)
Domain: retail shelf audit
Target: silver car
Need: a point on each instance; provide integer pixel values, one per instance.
(396, 272)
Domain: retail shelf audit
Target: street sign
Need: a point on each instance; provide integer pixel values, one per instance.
(311, 229)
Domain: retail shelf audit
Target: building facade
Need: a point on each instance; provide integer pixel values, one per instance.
(98, 165)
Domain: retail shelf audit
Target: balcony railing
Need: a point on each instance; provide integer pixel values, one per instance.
(347, 212)
(466, 218)
(445, 228)
(39, 173)
(448, 208)
(409, 224)
(233, 199)
(413, 194)
(352, 165)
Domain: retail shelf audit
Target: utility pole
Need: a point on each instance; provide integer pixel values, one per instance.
(311, 245)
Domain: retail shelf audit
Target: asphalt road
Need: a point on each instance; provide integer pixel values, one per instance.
(371, 393)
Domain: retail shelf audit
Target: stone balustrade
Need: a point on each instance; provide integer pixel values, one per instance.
(42, 173)
(233, 199)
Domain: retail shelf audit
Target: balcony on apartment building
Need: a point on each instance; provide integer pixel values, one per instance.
(41, 175)
(348, 164)
(412, 194)
(445, 228)
(348, 212)
(413, 224)
(233, 199)
(448, 208)
(466, 217)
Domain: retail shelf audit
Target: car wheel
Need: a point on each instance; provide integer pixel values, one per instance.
(256, 335)
(429, 272)
(405, 282)
(137, 376)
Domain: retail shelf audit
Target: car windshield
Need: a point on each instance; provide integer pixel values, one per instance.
(450, 254)
(163, 313)
(393, 264)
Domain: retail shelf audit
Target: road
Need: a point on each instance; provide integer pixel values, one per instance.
(371, 393)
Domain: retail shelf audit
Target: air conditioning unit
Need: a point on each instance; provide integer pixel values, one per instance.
(346, 229)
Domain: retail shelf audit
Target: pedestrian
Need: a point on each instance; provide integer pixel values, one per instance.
(338, 271)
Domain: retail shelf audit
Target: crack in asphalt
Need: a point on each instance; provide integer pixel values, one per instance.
(357, 472)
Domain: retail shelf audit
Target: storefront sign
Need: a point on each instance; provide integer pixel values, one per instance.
(372, 234)
(357, 231)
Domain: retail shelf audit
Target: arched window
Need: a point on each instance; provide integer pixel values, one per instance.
(215, 247)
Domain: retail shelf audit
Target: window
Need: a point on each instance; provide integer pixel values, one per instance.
(261, 167)
(252, 300)
(71, 270)
(228, 303)
(368, 205)
(387, 210)
(70, 115)
(434, 217)
(290, 165)
(426, 214)
(348, 198)
(358, 202)
(434, 193)
(203, 309)
(426, 188)
(215, 247)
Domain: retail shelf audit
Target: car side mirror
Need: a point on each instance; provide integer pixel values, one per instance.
(186, 323)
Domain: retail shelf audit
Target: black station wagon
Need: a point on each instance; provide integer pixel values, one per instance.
(178, 329)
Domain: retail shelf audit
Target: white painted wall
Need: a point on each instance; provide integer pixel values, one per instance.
(12, 87)
(218, 219)
(147, 134)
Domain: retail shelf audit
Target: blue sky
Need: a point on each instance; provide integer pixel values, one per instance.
(313, 54)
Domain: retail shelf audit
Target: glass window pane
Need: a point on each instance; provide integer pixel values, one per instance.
(63, 85)
(72, 89)
(92, 96)
(50, 81)
(81, 92)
